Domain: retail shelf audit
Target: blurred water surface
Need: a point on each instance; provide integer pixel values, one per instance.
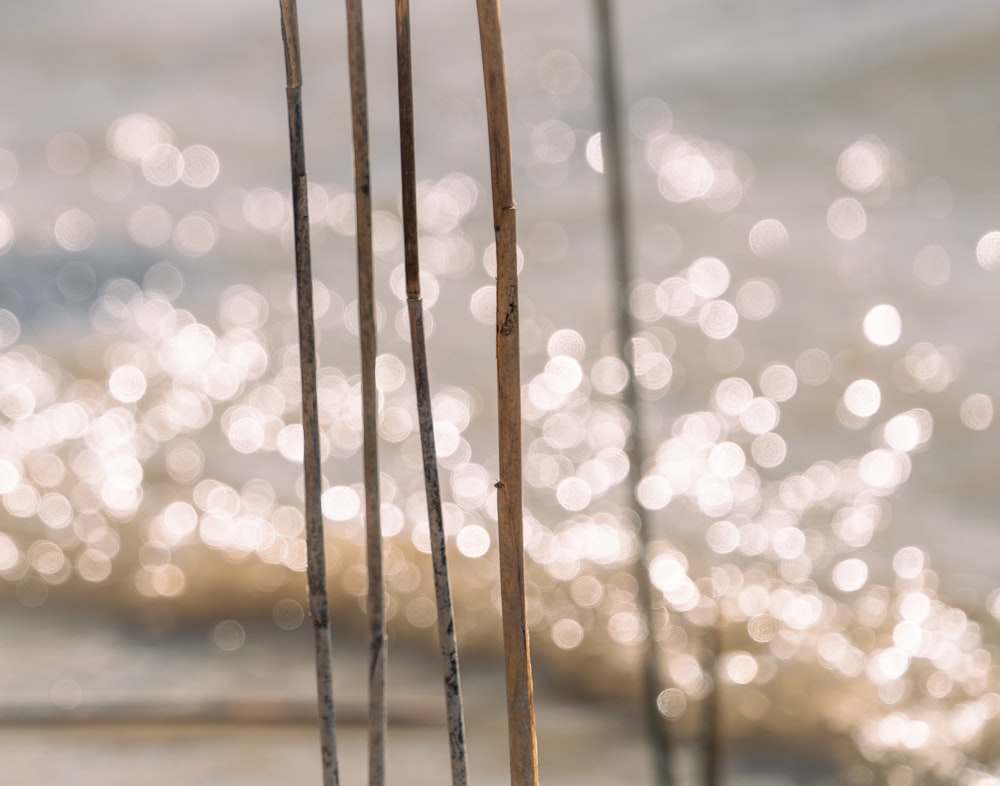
(815, 222)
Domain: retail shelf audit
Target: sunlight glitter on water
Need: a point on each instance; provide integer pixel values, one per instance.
(168, 391)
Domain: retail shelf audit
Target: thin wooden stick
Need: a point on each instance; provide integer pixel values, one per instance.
(614, 172)
(439, 552)
(319, 605)
(369, 394)
(517, 657)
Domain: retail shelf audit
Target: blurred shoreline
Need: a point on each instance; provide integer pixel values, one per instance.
(193, 689)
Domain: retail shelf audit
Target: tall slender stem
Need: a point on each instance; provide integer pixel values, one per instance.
(318, 601)
(439, 554)
(377, 721)
(614, 172)
(712, 721)
(517, 657)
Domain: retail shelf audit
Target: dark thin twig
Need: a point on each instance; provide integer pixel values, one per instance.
(614, 171)
(517, 657)
(439, 554)
(712, 728)
(369, 394)
(318, 601)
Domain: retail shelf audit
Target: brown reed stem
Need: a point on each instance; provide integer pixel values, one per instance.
(614, 172)
(517, 656)
(378, 655)
(319, 605)
(439, 552)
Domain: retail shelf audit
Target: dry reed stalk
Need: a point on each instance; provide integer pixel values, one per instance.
(377, 720)
(712, 719)
(517, 656)
(439, 553)
(319, 605)
(614, 172)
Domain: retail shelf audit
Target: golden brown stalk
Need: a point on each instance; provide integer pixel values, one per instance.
(517, 656)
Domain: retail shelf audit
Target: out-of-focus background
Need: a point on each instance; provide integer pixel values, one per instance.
(815, 215)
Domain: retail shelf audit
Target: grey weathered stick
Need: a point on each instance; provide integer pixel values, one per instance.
(614, 172)
(439, 553)
(318, 601)
(517, 656)
(369, 395)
